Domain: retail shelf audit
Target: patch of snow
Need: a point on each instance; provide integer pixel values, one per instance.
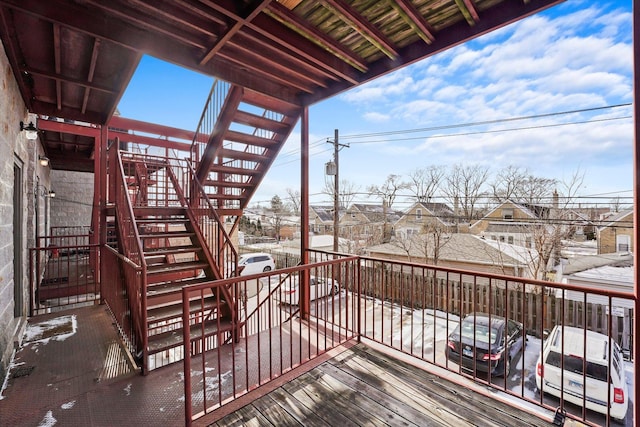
(68, 405)
(6, 377)
(127, 389)
(42, 329)
(48, 420)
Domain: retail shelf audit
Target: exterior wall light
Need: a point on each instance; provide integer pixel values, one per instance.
(52, 194)
(44, 161)
(30, 129)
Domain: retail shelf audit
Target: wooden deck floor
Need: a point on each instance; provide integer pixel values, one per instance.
(364, 387)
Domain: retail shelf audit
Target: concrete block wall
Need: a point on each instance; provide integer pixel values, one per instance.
(73, 203)
(18, 160)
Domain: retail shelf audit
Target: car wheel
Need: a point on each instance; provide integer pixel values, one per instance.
(336, 290)
(267, 268)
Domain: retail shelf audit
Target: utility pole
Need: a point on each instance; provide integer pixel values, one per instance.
(336, 186)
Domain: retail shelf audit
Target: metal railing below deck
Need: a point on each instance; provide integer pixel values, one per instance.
(61, 273)
(414, 309)
(271, 339)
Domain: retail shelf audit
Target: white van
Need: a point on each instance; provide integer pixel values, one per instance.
(583, 381)
(255, 263)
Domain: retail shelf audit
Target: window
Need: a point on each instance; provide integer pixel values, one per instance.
(418, 214)
(507, 213)
(510, 240)
(623, 243)
(502, 238)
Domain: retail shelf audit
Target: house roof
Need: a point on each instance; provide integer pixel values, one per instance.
(615, 219)
(74, 59)
(466, 248)
(325, 213)
(584, 263)
(515, 205)
(376, 213)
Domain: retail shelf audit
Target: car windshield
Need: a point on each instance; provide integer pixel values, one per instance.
(482, 332)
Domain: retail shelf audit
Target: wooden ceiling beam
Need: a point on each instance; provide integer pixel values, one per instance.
(134, 16)
(56, 60)
(235, 28)
(415, 20)
(351, 17)
(261, 65)
(65, 79)
(288, 39)
(306, 70)
(288, 18)
(138, 40)
(92, 69)
(469, 11)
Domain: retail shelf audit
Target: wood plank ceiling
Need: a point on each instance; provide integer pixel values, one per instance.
(73, 59)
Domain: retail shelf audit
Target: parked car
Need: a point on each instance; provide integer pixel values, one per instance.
(583, 381)
(493, 347)
(254, 263)
(319, 288)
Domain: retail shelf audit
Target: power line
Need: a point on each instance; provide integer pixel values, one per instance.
(321, 141)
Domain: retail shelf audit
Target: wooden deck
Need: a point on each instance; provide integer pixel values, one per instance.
(363, 386)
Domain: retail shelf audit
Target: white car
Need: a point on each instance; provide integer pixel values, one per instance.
(319, 287)
(574, 385)
(254, 263)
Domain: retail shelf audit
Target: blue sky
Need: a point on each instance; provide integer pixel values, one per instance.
(575, 56)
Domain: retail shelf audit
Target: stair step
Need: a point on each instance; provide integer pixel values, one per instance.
(162, 221)
(158, 212)
(171, 250)
(260, 122)
(170, 339)
(165, 234)
(174, 311)
(245, 138)
(162, 289)
(242, 155)
(177, 266)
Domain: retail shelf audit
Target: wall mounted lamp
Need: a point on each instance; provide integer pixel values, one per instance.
(44, 161)
(30, 129)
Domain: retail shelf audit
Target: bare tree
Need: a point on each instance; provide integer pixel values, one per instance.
(535, 190)
(388, 192)
(556, 225)
(347, 192)
(508, 183)
(294, 200)
(616, 204)
(435, 237)
(425, 182)
(464, 185)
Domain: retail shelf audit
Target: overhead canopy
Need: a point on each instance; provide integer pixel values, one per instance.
(74, 59)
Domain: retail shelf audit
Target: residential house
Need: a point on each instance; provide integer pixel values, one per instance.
(616, 234)
(509, 222)
(321, 219)
(460, 251)
(366, 222)
(422, 217)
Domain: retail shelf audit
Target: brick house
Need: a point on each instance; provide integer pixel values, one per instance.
(616, 235)
(423, 216)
